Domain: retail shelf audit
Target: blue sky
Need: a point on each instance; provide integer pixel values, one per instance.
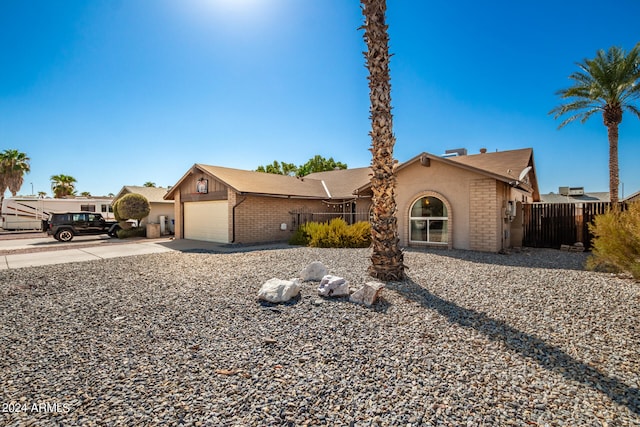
(120, 92)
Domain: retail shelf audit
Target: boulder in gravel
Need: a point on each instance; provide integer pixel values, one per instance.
(314, 272)
(368, 294)
(333, 286)
(278, 290)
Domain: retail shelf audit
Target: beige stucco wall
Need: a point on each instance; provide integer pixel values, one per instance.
(448, 183)
(160, 209)
(476, 205)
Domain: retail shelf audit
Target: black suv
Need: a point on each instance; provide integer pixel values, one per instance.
(63, 226)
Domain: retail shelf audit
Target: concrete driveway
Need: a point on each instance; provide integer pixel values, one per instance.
(27, 251)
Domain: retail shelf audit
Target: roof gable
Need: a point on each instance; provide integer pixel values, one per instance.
(504, 166)
(152, 194)
(251, 182)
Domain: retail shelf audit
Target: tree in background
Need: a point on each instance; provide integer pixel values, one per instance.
(85, 194)
(13, 166)
(149, 184)
(609, 83)
(279, 168)
(319, 164)
(131, 206)
(63, 186)
(315, 164)
(387, 261)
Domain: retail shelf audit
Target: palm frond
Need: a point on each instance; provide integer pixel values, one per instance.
(634, 110)
(611, 78)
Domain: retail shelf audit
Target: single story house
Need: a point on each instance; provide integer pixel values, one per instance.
(160, 208)
(575, 195)
(465, 201)
(635, 197)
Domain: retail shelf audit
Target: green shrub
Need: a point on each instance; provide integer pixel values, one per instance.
(132, 232)
(131, 206)
(616, 243)
(300, 237)
(334, 234)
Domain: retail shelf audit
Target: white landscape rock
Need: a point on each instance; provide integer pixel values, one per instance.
(368, 294)
(333, 286)
(314, 272)
(278, 290)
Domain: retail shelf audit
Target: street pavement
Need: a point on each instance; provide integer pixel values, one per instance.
(46, 250)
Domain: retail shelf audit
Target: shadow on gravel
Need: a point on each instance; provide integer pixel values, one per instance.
(202, 247)
(547, 356)
(528, 257)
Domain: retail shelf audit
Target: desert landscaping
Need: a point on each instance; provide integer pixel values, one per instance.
(470, 338)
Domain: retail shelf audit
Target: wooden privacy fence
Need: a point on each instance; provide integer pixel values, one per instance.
(302, 216)
(550, 225)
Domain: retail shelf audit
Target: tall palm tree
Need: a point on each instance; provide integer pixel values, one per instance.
(63, 186)
(13, 166)
(387, 261)
(609, 83)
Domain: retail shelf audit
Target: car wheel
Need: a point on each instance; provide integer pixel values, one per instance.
(113, 232)
(64, 235)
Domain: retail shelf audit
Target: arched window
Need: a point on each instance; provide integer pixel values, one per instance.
(429, 221)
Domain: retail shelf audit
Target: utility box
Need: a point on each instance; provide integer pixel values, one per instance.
(153, 231)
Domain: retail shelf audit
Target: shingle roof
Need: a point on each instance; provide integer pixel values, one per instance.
(633, 197)
(586, 197)
(507, 164)
(342, 182)
(244, 181)
(153, 194)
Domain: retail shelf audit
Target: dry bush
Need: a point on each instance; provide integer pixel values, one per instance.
(616, 243)
(333, 234)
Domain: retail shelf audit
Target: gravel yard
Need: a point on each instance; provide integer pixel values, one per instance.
(180, 339)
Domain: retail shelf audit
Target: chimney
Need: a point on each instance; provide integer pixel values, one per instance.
(483, 150)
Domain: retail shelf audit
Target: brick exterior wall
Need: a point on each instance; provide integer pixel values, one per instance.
(258, 219)
(484, 233)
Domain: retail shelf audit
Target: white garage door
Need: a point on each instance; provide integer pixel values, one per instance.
(207, 221)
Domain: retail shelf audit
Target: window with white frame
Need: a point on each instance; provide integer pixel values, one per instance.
(429, 221)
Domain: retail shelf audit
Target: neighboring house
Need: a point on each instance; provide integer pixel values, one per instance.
(466, 202)
(159, 206)
(574, 195)
(635, 197)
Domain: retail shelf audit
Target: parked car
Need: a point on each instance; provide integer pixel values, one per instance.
(64, 226)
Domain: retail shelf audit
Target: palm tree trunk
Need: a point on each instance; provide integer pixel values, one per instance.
(387, 259)
(612, 131)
